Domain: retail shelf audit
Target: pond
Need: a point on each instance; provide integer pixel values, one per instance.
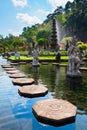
(16, 111)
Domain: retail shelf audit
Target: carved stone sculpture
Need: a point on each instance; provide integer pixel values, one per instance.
(74, 61)
(35, 61)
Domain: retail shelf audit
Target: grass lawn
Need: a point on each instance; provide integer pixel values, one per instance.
(40, 58)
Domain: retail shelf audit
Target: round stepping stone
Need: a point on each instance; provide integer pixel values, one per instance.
(32, 90)
(13, 71)
(23, 81)
(54, 111)
(9, 69)
(18, 75)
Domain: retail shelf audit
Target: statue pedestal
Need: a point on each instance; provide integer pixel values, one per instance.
(35, 63)
(74, 74)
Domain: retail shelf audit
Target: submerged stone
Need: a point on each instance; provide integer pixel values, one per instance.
(54, 111)
(33, 90)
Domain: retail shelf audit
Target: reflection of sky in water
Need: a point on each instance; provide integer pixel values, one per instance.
(16, 111)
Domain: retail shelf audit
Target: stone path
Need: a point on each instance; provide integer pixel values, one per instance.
(50, 111)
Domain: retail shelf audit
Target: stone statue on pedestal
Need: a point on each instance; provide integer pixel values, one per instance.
(74, 61)
(35, 61)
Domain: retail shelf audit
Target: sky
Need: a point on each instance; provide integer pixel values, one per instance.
(17, 14)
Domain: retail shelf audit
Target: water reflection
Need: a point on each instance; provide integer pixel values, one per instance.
(35, 71)
(74, 83)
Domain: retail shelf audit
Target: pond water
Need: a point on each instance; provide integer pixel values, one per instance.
(16, 111)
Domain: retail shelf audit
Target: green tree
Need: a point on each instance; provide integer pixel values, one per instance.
(18, 42)
(43, 36)
(76, 19)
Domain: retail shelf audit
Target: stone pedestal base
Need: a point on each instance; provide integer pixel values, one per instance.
(74, 74)
(35, 65)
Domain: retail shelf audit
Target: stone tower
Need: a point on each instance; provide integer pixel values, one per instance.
(54, 40)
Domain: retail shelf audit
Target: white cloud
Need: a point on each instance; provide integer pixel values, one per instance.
(43, 12)
(20, 3)
(55, 3)
(30, 20)
(15, 33)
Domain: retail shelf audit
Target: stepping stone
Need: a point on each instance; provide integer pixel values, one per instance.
(83, 68)
(22, 62)
(17, 75)
(23, 81)
(6, 66)
(14, 63)
(44, 63)
(54, 111)
(9, 69)
(63, 65)
(56, 64)
(32, 90)
(13, 71)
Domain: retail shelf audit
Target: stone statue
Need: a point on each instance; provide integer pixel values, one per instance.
(35, 61)
(74, 61)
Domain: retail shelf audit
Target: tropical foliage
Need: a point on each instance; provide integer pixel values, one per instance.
(72, 21)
